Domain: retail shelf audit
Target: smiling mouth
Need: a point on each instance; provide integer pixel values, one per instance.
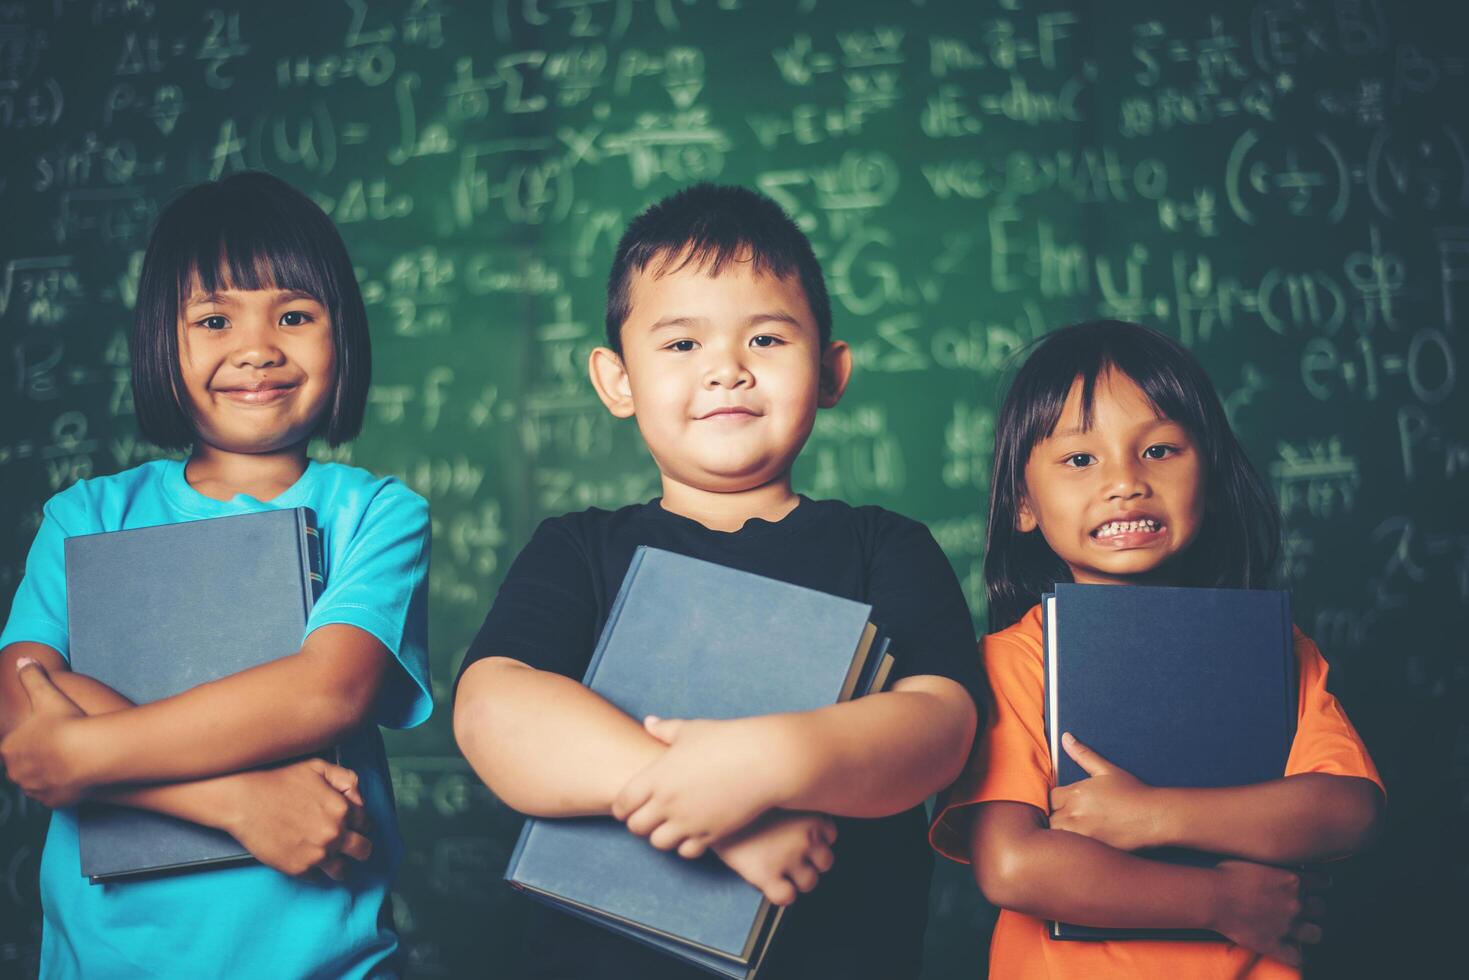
(257, 394)
(1120, 530)
(732, 411)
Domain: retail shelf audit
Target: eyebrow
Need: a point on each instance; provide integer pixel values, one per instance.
(678, 321)
(776, 316)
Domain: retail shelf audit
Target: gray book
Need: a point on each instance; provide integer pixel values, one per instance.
(155, 611)
(691, 639)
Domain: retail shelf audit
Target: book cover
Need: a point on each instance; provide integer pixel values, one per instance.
(155, 611)
(687, 638)
(1179, 686)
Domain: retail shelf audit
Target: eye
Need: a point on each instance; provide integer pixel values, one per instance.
(765, 340)
(682, 346)
(215, 322)
(1160, 451)
(1079, 460)
(295, 318)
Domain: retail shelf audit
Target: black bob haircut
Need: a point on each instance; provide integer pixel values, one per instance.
(711, 226)
(247, 231)
(1239, 541)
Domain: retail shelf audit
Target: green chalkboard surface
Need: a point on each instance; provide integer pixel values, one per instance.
(1282, 184)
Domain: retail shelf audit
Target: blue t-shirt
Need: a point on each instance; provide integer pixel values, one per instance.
(248, 921)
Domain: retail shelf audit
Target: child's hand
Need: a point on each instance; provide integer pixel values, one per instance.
(1112, 806)
(301, 816)
(714, 779)
(1269, 910)
(38, 753)
(781, 853)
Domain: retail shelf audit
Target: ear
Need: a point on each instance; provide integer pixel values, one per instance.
(836, 371)
(1025, 521)
(609, 377)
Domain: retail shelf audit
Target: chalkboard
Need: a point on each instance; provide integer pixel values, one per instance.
(1281, 184)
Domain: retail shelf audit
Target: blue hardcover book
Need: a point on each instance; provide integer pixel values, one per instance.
(155, 611)
(1180, 687)
(691, 639)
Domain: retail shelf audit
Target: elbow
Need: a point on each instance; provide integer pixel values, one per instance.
(1366, 816)
(478, 725)
(958, 741)
(1001, 876)
(335, 714)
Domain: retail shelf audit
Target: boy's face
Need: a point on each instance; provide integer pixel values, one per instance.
(724, 374)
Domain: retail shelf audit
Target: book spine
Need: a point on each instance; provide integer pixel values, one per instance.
(311, 552)
(1292, 683)
(613, 614)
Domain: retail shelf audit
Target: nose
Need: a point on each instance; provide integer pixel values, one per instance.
(256, 345)
(726, 369)
(1124, 480)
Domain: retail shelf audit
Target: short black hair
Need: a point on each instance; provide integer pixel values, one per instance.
(248, 231)
(1239, 542)
(711, 226)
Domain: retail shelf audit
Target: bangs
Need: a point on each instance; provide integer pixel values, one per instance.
(711, 228)
(1163, 379)
(711, 250)
(231, 246)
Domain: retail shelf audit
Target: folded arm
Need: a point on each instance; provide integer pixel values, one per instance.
(294, 818)
(1023, 865)
(871, 757)
(289, 707)
(545, 744)
(1306, 817)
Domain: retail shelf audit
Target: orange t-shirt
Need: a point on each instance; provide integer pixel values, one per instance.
(1012, 762)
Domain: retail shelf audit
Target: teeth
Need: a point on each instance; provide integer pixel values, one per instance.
(1123, 527)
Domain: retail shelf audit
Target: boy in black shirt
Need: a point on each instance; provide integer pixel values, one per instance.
(719, 344)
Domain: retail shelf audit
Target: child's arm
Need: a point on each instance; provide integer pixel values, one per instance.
(549, 747)
(871, 757)
(293, 818)
(543, 743)
(1021, 864)
(291, 706)
(1307, 817)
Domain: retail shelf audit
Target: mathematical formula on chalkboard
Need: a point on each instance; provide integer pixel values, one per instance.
(1282, 184)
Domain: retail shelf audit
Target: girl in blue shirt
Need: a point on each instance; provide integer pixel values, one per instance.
(250, 339)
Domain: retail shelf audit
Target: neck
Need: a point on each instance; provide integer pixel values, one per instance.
(221, 474)
(1158, 576)
(728, 511)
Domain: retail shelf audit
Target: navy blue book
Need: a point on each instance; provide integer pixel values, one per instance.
(154, 611)
(1180, 687)
(691, 639)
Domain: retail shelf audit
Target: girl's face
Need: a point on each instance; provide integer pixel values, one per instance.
(1118, 502)
(259, 367)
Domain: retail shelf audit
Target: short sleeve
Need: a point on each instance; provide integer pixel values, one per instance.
(545, 614)
(917, 602)
(379, 584)
(38, 611)
(1325, 740)
(1011, 759)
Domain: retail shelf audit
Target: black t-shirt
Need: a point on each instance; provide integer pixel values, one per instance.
(866, 917)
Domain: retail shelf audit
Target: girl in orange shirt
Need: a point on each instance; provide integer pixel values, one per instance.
(1114, 464)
